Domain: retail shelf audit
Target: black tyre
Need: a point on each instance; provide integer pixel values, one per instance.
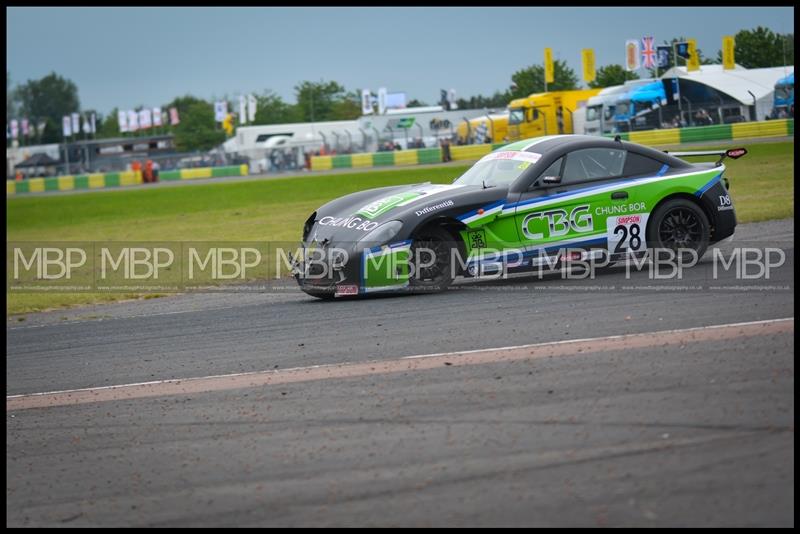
(679, 224)
(432, 245)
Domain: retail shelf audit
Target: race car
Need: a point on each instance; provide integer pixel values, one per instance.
(518, 208)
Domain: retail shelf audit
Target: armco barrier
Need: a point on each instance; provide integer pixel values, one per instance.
(115, 179)
(776, 128)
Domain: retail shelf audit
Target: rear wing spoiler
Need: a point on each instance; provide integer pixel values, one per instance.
(733, 153)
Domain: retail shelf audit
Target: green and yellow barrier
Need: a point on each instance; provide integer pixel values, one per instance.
(115, 179)
(717, 132)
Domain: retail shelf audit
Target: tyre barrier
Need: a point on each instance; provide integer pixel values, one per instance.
(115, 179)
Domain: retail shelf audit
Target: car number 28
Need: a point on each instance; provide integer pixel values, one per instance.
(626, 233)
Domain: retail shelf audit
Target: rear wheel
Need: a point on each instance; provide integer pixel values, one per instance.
(432, 247)
(679, 224)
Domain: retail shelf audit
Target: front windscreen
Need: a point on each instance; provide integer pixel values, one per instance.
(498, 169)
(593, 113)
(783, 92)
(516, 116)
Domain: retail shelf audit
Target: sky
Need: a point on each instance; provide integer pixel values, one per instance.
(146, 56)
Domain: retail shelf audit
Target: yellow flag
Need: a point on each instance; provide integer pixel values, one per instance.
(694, 60)
(588, 64)
(727, 53)
(549, 75)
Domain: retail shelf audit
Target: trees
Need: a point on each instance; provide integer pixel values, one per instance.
(531, 79)
(197, 129)
(761, 47)
(317, 101)
(610, 75)
(271, 109)
(47, 99)
(499, 99)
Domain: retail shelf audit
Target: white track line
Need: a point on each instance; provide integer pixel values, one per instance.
(417, 362)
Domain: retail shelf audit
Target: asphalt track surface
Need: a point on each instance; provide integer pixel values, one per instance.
(675, 427)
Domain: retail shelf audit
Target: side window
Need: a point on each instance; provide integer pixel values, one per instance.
(553, 170)
(593, 164)
(636, 164)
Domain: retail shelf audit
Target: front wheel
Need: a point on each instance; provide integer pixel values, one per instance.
(432, 247)
(679, 224)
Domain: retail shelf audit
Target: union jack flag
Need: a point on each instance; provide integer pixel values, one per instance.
(648, 53)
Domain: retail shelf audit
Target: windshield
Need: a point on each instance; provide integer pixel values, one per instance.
(593, 113)
(622, 107)
(783, 92)
(516, 116)
(498, 169)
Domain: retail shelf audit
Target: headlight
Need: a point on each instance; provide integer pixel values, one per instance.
(382, 234)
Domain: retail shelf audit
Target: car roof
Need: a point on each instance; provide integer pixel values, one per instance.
(570, 142)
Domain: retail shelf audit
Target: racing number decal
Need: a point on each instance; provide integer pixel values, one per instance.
(626, 233)
(477, 239)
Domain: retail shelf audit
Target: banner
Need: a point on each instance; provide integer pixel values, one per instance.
(66, 126)
(86, 127)
(144, 119)
(157, 117)
(174, 119)
(25, 130)
(728, 46)
(381, 100)
(366, 102)
(631, 54)
(549, 74)
(589, 74)
(694, 57)
(662, 53)
(94, 123)
(648, 53)
(242, 109)
(76, 123)
(122, 120)
(14, 129)
(40, 127)
(251, 108)
(451, 99)
(133, 121)
(682, 49)
(220, 110)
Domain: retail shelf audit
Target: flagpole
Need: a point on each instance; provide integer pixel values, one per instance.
(675, 77)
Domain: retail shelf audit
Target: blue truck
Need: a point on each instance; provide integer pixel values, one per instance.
(784, 98)
(637, 108)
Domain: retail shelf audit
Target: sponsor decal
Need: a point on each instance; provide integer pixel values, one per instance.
(724, 203)
(428, 209)
(382, 205)
(349, 222)
(531, 157)
(559, 222)
(346, 289)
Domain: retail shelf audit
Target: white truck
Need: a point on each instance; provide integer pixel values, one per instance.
(601, 107)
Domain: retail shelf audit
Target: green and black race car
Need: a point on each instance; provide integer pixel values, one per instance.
(518, 208)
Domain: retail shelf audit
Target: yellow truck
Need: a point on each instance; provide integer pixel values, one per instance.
(545, 113)
(492, 126)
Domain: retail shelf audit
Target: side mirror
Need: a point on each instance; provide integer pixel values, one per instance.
(551, 179)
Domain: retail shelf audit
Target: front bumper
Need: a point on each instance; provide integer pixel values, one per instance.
(335, 271)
